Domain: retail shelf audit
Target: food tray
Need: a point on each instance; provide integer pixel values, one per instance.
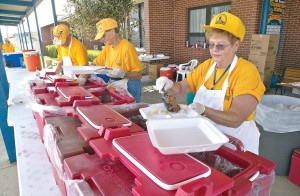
(186, 135)
(159, 111)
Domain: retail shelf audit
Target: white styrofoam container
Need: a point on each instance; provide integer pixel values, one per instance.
(185, 135)
(159, 111)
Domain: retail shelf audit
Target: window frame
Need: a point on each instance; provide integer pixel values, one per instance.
(207, 21)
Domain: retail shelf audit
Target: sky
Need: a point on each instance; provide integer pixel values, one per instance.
(44, 14)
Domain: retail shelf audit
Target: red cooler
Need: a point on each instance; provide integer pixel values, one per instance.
(167, 72)
(33, 61)
(173, 68)
(24, 57)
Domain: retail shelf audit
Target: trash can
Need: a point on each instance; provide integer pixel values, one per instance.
(13, 59)
(278, 120)
(33, 60)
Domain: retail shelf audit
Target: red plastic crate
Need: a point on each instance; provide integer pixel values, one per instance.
(68, 94)
(294, 175)
(45, 99)
(108, 123)
(104, 176)
(215, 184)
(63, 141)
(241, 167)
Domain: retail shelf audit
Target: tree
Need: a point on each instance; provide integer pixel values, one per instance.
(84, 14)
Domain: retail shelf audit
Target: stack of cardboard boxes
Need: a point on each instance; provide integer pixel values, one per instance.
(263, 54)
(154, 70)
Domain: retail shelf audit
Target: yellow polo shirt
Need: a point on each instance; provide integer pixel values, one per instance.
(123, 56)
(78, 53)
(8, 48)
(244, 79)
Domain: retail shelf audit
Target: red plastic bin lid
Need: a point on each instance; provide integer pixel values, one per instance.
(102, 116)
(168, 171)
(74, 91)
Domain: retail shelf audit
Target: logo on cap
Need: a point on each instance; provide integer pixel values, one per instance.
(99, 26)
(221, 19)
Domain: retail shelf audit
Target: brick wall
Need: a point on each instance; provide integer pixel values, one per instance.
(166, 29)
(159, 27)
(289, 54)
(166, 26)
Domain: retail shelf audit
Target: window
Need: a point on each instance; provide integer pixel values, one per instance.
(199, 17)
(137, 24)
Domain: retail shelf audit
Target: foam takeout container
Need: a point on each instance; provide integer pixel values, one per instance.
(159, 111)
(185, 135)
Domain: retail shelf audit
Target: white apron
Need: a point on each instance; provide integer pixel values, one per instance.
(247, 131)
(66, 59)
(67, 62)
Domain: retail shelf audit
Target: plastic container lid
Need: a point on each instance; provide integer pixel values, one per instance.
(165, 68)
(172, 65)
(168, 172)
(31, 53)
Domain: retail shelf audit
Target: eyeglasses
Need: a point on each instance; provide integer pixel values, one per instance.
(218, 46)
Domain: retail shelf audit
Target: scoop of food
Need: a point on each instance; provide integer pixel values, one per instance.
(163, 83)
(170, 102)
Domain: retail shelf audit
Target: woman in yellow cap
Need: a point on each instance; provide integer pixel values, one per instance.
(227, 88)
(71, 52)
(7, 46)
(119, 55)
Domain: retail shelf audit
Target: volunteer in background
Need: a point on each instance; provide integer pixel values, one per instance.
(227, 88)
(7, 46)
(71, 52)
(119, 55)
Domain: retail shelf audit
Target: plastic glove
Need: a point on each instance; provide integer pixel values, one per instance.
(197, 107)
(163, 84)
(81, 81)
(116, 73)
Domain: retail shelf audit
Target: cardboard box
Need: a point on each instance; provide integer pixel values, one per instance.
(264, 44)
(263, 63)
(154, 70)
(296, 91)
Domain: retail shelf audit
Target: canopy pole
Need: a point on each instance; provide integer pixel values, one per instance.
(39, 35)
(21, 38)
(29, 32)
(24, 35)
(264, 17)
(54, 13)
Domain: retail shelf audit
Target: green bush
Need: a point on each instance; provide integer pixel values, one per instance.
(92, 54)
(52, 51)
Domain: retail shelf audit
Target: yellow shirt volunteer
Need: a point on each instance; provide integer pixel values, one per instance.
(78, 53)
(8, 48)
(123, 56)
(244, 79)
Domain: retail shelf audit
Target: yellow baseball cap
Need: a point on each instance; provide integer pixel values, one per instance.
(61, 32)
(104, 25)
(228, 22)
